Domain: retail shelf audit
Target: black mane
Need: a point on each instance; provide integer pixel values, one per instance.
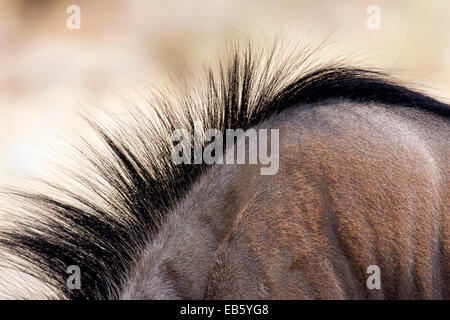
(103, 225)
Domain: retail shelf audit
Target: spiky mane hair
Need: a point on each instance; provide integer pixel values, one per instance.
(103, 217)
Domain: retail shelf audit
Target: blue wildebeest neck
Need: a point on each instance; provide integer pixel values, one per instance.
(358, 185)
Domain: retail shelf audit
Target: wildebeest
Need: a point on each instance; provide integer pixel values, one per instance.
(363, 180)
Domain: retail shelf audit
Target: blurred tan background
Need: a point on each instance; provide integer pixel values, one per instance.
(47, 71)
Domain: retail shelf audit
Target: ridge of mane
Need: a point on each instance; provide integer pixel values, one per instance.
(118, 204)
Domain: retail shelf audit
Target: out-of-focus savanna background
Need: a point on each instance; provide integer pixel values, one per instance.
(47, 71)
